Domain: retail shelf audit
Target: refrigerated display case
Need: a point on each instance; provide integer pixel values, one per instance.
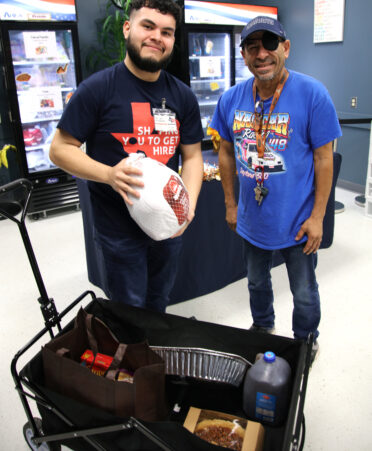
(207, 55)
(209, 69)
(241, 70)
(42, 71)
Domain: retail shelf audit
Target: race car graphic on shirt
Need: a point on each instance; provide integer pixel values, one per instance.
(275, 143)
(248, 156)
(160, 146)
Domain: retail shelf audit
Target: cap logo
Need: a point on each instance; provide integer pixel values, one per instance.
(258, 20)
(262, 20)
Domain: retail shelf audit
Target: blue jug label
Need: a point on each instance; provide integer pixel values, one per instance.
(265, 407)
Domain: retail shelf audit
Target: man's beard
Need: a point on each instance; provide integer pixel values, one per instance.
(263, 77)
(146, 64)
(266, 77)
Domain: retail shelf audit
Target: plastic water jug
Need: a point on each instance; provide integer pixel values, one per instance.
(266, 391)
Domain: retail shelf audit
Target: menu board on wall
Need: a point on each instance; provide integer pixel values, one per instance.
(328, 20)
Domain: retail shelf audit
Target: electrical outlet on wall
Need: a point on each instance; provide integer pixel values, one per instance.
(353, 102)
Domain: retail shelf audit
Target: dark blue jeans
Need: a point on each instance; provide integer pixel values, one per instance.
(303, 285)
(140, 271)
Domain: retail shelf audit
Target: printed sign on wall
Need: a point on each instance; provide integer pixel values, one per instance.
(328, 20)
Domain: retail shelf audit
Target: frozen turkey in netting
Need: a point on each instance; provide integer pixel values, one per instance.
(163, 206)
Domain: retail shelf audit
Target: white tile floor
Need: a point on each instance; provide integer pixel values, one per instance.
(338, 407)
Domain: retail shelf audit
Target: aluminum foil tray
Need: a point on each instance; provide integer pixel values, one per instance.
(203, 364)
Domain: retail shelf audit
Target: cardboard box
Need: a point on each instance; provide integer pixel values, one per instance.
(253, 433)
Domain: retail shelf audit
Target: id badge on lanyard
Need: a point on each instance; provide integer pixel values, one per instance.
(261, 191)
(165, 119)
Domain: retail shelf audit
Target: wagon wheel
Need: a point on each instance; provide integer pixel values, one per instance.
(29, 434)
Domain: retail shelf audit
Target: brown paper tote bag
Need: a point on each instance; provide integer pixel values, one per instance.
(63, 373)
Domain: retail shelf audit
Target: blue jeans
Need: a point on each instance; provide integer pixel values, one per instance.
(303, 285)
(140, 271)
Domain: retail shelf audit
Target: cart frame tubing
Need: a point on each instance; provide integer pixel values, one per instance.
(294, 440)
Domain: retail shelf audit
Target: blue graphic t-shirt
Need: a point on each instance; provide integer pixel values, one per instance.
(112, 111)
(303, 119)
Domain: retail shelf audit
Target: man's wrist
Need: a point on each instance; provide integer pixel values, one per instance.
(230, 204)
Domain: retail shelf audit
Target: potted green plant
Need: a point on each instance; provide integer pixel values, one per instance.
(111, 43)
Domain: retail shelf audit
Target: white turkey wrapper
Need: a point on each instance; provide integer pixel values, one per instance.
(163, 206)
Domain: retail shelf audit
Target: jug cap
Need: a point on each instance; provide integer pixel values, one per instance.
(269, 357)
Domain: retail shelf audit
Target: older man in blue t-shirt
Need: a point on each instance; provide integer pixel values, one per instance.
(276, 131)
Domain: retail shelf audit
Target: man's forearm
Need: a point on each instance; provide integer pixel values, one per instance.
(323, 172)
(192, 176)
(65, 152)
(82, 166)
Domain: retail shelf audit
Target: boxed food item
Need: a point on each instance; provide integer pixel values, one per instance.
(99, 364)
(225, 430)
(87, 358)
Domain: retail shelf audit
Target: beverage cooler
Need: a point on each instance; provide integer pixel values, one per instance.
(42, 70)
(207, 54)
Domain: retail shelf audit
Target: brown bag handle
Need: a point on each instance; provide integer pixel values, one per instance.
(92, 341)
(118, 357)
(62, 352)
(91, 338)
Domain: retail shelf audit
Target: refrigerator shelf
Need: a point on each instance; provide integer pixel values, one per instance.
(41, 119)
(207, 80)
(200, 57)
(208, 103)
(39, 63)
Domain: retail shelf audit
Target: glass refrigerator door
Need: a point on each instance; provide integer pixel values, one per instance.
(209, 64)
(45, 78)
(241, 70)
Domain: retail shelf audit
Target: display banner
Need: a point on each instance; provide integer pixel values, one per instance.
(38, 10)
(225, 13)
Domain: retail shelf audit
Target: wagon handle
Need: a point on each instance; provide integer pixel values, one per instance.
(14, 201)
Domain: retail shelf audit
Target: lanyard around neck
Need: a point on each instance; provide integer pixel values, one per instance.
(258, 117)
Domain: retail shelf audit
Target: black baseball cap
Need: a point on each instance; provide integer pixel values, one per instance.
(263, 23)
